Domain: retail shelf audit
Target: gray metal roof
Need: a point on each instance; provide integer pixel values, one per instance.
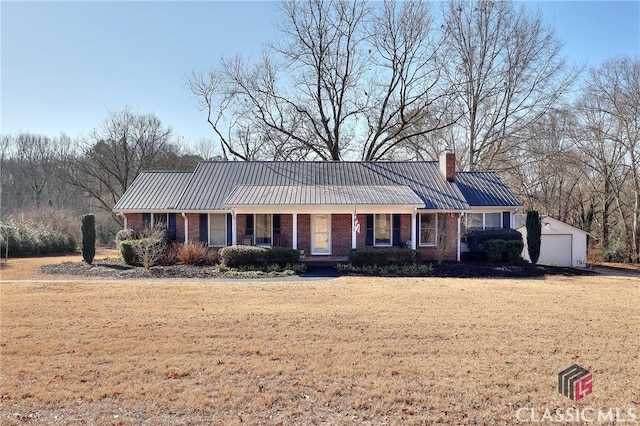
(215, 185)
(253, 195)
(154, 190)
(212, 182)
(485, 189)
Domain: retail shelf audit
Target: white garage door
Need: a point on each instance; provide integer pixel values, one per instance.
(555, 250)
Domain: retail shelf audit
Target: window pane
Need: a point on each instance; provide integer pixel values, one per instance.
(474, 220)
(492, 220)
(427, 229)
(263, 229)
(218, 230)
(382, 229)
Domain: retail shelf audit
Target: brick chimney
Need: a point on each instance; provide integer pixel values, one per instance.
(448, 165)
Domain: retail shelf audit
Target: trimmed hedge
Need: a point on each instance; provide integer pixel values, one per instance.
(503, 250)
(237, 256)
(477, 238)
(383, 257)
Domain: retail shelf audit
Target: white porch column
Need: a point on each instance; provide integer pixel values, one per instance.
(294, 237)
(186, 227)
(413, 229)
(234, 228)
(124, 216)
(353, 231)
(458, 253)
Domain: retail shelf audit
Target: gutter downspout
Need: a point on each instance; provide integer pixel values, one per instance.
(186, 228)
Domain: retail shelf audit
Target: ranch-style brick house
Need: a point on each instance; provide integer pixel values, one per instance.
(323, 209)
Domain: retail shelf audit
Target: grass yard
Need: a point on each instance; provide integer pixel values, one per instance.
(346, 351)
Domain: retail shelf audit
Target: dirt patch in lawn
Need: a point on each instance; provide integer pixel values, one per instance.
(353, 350)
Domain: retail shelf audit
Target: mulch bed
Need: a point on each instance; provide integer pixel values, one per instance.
(117, 269)
(487, 270)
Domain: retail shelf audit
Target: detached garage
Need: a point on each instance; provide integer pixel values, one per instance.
(562, 244)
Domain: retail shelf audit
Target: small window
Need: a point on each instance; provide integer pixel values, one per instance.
(218, 230)
(492, 220)
(382, 229)
(263, 226)
(428, 229)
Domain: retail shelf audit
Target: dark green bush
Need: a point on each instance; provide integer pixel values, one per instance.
(495, 250)
(499, 251)
(513, 250)
(236, 256)
(477, 238)
(282, 256)
(383, 257)
(128, 251)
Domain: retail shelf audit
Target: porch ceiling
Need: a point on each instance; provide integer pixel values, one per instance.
(300, 195)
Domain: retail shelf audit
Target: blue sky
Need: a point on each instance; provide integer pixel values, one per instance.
(65, 65)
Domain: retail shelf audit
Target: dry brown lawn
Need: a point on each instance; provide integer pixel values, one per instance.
(344, 351)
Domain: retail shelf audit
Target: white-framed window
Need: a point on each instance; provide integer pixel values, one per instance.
(263, 229)
(382, 229)
(428, 229)
(493, 220)
(489, 220)
(217, 229)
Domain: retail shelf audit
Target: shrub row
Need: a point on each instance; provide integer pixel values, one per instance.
(236, 256)
(479, 250)
(42, 232)
(383, 257)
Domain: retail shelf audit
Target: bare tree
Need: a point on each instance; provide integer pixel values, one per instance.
(344, 79)
(108, 160)
(508, 70)
(611, 111)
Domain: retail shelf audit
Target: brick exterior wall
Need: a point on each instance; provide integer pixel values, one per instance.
(194, 227)
(286, 230)
(340, 234)
(304, 233)
(134, 221)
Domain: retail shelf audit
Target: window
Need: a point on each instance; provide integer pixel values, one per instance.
(263, 229)
(218, 230)
(492, 220)
(382, 229)
(475, 221)
(428, 229)
(484, 220)
(160, 220)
